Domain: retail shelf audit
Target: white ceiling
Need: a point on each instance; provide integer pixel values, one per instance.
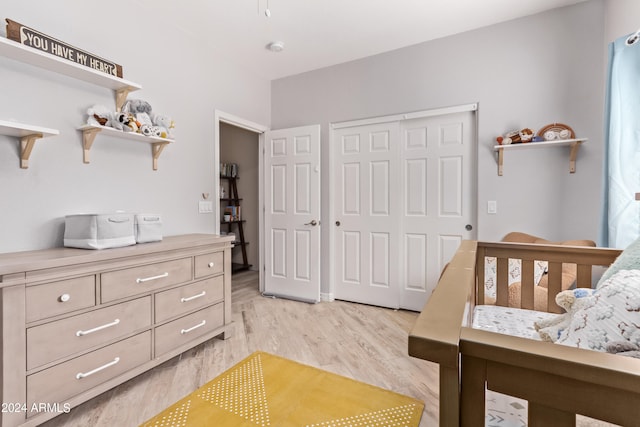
(319, 33)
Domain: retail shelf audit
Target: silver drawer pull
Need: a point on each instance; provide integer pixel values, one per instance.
(97, 328)
(199, 325)
(147, 279)
(81, 375)
(64, 298)
(211, 264)
(200, 295)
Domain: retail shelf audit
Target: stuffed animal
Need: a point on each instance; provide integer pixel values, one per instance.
(526, 135)
(516, 137)
(624, 348)
(98, 115)
(150, 130)
(116, 120)
(140, 109)
(571, 301)
(164, 123)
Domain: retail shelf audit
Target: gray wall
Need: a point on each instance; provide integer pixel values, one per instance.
(242, 147)
(180, 77)
(621, 18)
(524, 73)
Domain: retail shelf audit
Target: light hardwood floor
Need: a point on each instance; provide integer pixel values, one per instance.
(362, 342)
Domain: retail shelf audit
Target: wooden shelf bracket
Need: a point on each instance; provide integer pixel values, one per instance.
(121, 96)
(574, 144)
(156, 150)
(26, 146)
(572, 156)
(88, 136)
(89, 133)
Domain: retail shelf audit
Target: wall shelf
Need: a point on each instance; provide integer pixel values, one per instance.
(89, 133)
(28, 55)
(28, 135)
(573, 143)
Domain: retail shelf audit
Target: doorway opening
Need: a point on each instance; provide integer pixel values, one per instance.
(237, 170)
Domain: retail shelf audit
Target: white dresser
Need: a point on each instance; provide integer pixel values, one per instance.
(77, 322)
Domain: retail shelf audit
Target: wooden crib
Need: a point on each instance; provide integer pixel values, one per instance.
(557, 381)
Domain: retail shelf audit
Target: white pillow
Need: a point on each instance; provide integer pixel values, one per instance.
(611, 313)
(490, 268)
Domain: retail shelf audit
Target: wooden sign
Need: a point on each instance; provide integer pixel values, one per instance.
(35, 39)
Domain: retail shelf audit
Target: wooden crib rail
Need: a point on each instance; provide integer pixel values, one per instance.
(557, 381)
(436, 333)
(470, 359)
(583, 257)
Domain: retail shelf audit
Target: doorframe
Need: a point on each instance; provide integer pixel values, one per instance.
(385, 119)
(230, 119)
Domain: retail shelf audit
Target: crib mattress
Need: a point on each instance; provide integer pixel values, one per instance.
(516, 322)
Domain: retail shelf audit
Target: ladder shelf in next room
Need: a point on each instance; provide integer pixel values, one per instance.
(233, 217)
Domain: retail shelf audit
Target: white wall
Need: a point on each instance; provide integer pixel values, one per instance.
(622, 18)
(528, 72)
(180, 77)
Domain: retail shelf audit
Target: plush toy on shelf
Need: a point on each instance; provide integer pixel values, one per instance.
(145, 121)
(140, 109)
(516, 137)
(164, 123)
(99, 115)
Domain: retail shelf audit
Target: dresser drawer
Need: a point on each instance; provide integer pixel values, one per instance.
(209, 264)
(60, 382)
(178, 301)
(52, 341)
(133, 281)
(187, 328)
(61, 297)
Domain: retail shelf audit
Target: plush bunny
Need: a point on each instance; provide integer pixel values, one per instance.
(571, 301)
(164, 123)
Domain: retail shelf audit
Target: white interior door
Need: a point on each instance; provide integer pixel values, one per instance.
(366, 206)
(404, 198)
(292, 213)
(438, 207)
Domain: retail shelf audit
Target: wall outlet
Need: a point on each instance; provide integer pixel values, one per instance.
(492, 207)
(205, 206)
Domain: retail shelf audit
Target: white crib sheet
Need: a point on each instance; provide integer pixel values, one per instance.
(516, 322)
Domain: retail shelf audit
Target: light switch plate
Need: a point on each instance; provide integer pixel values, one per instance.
(205, 206)
(492, 207)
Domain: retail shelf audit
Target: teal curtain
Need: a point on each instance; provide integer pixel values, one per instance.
(621, 216)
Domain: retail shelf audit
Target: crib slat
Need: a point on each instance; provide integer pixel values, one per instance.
(554, 286)
(480, 277)
(527, 284)
(583, 279)
(502, 282)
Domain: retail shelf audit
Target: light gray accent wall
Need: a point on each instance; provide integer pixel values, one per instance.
(180, 76)
(242, 147)
(622, 18)
(528, 72)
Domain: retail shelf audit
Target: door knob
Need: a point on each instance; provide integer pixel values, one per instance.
(313, 222)
(468, 227)
(337, 223)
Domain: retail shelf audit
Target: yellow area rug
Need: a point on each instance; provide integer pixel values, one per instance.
(270, 391)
